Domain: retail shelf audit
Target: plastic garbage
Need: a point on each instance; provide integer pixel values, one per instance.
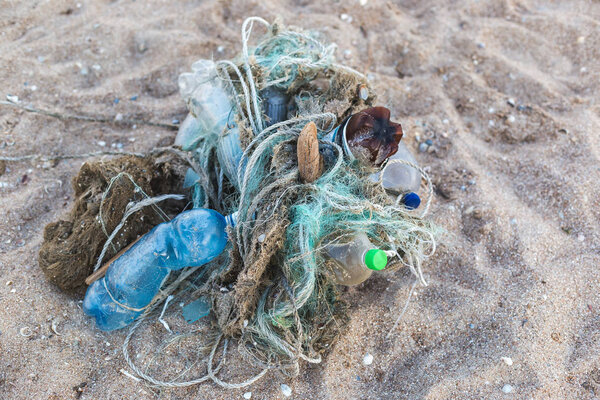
(354, 262)
(411, 200)
(209, 103)
(229, 154)
(189, 133)
(275, 105)
(368, 135)
(400, 178)
(191, 239)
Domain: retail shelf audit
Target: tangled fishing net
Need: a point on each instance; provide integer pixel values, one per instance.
(272, 290)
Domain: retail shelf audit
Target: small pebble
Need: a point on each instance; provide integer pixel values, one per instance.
(261, 238)
(347, 54)
(12, 98)
(221, 49)
(491, 110)
(363, 2)
(248, 395)
(511, 102)
(445, 121)
(347, 18)
(481, 45)
(429, 142)
(423, 147)
(368, 359)
(101, 143)
(581, 39)
(363, 92)
(511, 119)
(507, 360)
(133, 98)
(507, 388)
(491, 122)
(84, 71)
(286, 390)
(8, 283)
(25, 331)
(175, 122)
(580, 237)
(119, 117)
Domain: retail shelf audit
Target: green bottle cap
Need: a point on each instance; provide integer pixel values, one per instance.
(376, 259)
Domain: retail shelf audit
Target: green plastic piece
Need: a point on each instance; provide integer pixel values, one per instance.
(376, 259)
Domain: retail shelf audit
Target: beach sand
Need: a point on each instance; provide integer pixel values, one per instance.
(507, 91)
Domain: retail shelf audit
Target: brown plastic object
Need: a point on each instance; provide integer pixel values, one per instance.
(371, 136)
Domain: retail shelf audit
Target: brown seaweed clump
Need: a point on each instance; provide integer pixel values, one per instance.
(72, 244)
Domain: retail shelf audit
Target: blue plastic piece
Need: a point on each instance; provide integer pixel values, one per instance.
(411, 200)
(196, 309)
(191, 239)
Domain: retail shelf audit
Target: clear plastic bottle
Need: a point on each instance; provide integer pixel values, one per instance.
(208, 101)
(191, 239)
(402, 178)
(353, 262)
(229, 153)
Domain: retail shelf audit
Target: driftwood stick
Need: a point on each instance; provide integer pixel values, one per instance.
(310, 162)
(100, 272)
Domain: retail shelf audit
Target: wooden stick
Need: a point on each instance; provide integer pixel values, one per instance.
(99, 273)
(310, 163)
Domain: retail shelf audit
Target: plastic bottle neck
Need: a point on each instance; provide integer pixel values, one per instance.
(231, 219)
(375, 259)
(333, 137)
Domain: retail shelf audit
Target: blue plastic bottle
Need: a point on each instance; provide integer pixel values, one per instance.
(191, 239)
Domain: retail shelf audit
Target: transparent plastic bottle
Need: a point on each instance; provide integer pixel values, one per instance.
(191, 239)
(353, 262)
(208, 101)
(400, 178)
(229, 153)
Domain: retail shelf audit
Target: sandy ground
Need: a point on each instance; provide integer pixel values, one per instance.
(508, 92)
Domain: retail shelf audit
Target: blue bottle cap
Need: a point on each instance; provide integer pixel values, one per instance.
(411, 200)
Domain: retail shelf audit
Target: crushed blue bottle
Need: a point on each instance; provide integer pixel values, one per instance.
(191, 239)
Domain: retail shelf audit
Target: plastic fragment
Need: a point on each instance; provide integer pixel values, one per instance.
(196, 309)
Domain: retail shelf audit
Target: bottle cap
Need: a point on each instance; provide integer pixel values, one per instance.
(376, 259)
(411, 200)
